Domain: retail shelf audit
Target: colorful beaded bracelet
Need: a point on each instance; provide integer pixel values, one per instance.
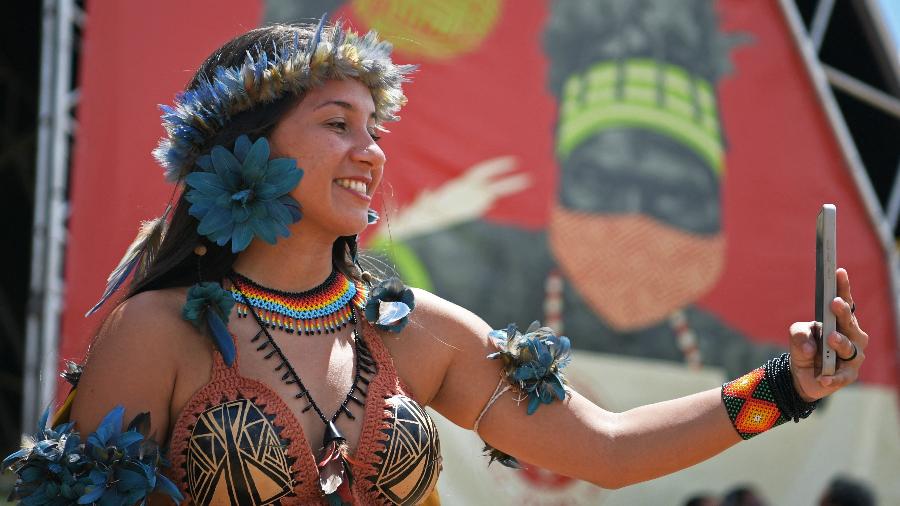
(764, 398)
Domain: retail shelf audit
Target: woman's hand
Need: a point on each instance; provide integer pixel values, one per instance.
(848, 336)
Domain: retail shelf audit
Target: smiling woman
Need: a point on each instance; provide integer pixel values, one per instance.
(315, 393)
(331, 134)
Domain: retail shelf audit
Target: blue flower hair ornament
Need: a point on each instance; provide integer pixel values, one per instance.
(389, 305)
(209, 305)
(533, 362)
(241, 194)
(57, 467)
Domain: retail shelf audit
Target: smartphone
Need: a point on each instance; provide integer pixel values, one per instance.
(826, 288)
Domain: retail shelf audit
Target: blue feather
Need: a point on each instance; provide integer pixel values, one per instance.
(93, 495)
(557, 385)
(130, 479)
(221, 336)
(139, 252)
(8, 461)
(261, 64)
(108, 428)
(533, 404)
(42, 424)
(337, 40)
(128, 438)
(118, 276)
(165, 485)
(314, 44)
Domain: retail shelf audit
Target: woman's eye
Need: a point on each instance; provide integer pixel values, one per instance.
(342, 126)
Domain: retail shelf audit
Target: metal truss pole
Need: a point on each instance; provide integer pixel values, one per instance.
(50, 209)
(819, 75)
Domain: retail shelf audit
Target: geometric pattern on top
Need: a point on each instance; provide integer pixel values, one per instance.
(235, 456)
(326, 308)
(751, 405)
(411, 460)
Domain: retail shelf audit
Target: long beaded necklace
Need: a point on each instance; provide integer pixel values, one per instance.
(326, 308)
(685, 336)
(334, 472)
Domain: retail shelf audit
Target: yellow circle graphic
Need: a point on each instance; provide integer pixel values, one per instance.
(434, 29)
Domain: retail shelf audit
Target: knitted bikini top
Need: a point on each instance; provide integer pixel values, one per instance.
(237, 442)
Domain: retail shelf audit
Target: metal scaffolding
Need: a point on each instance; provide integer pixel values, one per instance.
(826, 80)
(56, 124)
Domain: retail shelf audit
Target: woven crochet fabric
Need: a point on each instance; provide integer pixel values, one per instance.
(397, 459)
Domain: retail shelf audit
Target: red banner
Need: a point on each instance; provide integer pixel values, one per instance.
(485, 93)
(643, 175)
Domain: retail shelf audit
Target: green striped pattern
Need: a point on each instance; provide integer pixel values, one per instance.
(640, 93)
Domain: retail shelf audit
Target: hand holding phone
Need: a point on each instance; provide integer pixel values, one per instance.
(826, 288)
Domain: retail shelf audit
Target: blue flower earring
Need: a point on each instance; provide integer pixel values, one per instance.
(241, 194)
(238, 195)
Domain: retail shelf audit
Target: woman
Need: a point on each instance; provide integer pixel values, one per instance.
(292, 360)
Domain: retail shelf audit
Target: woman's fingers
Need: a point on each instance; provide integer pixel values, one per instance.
(842, 346)
(848, 370)
(843, 285)
(843, 308)
(847, 323)
(841, 378)
(849, 343)
(803, 344)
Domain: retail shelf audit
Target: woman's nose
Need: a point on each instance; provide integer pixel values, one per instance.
(370, 153)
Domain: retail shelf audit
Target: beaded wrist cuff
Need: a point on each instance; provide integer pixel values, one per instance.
(764, 398)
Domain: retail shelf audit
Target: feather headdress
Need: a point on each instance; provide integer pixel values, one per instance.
(201, 112)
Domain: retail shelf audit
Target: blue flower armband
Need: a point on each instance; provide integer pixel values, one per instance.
(532, 367)
(110, 466)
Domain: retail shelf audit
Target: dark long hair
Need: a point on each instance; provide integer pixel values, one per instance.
(176, 264)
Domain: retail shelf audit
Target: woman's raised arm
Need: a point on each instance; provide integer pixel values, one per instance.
(579, 439)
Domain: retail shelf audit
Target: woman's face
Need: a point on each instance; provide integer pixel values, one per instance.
(331, 133)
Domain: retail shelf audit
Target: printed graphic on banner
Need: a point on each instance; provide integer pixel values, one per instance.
(633, 236)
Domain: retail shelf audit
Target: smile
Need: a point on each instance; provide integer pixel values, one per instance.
(361, 188)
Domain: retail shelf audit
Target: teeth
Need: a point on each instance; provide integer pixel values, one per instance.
(354, 185)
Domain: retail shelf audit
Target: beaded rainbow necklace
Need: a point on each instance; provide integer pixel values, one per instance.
(326, 308)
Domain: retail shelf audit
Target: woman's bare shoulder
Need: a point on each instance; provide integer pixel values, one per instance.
(150, 322)
(136, 357)
(435, 315)
(438, 332)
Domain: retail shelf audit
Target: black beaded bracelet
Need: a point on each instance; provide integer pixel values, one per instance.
(778, 372)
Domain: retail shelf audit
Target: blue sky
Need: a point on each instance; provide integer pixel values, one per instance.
(891, 9)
